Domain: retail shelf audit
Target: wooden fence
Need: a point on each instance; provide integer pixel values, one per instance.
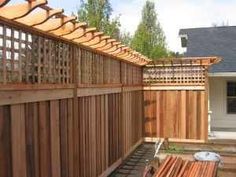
(71, 98)
(176, 99)
(65, 111)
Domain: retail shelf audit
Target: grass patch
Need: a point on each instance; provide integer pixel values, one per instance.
(174, 149)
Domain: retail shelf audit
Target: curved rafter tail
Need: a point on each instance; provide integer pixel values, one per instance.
(17, 11)
(4, 2)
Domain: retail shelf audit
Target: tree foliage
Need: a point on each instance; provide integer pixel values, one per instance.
(149, 38)
(97, 13)
(125, 38)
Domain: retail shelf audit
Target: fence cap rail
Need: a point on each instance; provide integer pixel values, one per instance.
(36, 15)
(186, 61)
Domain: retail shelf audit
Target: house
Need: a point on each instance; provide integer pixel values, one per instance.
(217, 41)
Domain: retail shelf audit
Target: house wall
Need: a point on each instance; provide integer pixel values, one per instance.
(218, 105)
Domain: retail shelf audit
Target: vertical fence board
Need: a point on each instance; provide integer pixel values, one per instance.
(18, 140)
(64, 138)
(180, 114)
(44, 140)
(5, 142)
(55, 138)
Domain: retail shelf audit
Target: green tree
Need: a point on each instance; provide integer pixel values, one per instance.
(97, 13)
(125, 38)
(149, 38)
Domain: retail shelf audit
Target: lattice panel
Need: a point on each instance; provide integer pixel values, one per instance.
(97, 69)
(27, 58)
(180, 75)
(131, 75)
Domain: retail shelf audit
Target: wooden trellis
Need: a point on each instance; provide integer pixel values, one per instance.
(35, 14)
(176, 72)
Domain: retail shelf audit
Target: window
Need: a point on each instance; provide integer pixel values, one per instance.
(231, 97)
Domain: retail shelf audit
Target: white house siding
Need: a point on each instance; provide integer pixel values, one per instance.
(218, 105)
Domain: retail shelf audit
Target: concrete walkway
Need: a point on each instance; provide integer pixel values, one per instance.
(223, 135)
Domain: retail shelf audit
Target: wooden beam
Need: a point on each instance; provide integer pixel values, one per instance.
(39, 18)
(97, 41)
(174, 87)
(125, 54)
(68, 28)
(132, 88)
(3, 2)
(120, 53)
(88, 37)
(53, 24)
(118, 50)
(132, 58)
(113, 49)
(18, 140)
(105, 37)
(82, 92)
(17, 97)
(100, 44)
(94, 41)
(20, 10)
(79, 33)
(108, 45)
(87, 30)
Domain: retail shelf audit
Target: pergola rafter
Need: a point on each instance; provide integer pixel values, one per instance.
(94, 41)
(111, 47)
(53, 21)
(118, 50)
(54, 24)
(114, 48)
(33, 19)
(97, 41)
(20, 10)
(69, 28)
(89, 37)
(100, 44)
(106, 44)
(3, 2)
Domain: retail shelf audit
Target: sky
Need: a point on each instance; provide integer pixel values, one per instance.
(172, 14)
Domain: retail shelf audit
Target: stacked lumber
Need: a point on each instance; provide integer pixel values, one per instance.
(177, 167)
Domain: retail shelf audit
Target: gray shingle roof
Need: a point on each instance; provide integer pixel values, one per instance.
(214, 41)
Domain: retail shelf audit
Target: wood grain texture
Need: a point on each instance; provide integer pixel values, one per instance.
(175, 114)
(5, 142)
(55, 138)
(18, 141)
(44, 139)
